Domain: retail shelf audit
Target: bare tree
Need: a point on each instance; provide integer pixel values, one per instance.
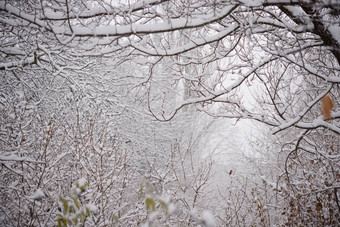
(286, 34)
(285, 54)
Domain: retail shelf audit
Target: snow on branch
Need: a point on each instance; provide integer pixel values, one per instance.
(14, 158)
(167, 26)
(291, 122)
(100, 10)
(191, 45)
(17, 63)
(319, 123)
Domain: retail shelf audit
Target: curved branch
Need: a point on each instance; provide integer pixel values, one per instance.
(291, 122)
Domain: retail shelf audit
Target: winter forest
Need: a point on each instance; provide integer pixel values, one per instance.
(170, 113)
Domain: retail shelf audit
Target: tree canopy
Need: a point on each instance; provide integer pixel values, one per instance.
(302, 36)
(276, 62)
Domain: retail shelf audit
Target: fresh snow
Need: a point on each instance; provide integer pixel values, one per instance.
(81, 182)
(334, 29)
(37, 195)
(208, 219)
(92, 208)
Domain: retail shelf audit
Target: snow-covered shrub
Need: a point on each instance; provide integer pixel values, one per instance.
(74, 212)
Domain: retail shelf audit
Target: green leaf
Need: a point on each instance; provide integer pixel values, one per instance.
(65, 221)
(65, 205)
(82, 187)
(76, 202)
(150, 204)
(59, 222)
(72, 210)
(141, 191)
(115, 218)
